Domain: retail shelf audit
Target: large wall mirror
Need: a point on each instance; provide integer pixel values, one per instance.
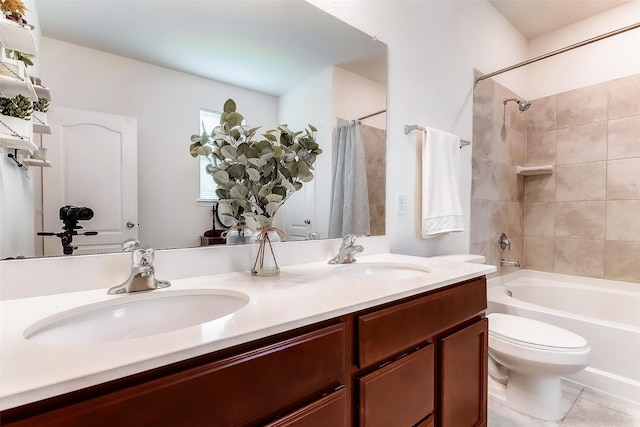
(160, 63)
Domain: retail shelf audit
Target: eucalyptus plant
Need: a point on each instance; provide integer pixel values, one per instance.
(256, 173)
(19, 106)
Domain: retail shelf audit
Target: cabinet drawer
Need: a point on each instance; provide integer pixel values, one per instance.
(389, 331)
(399, 394)
(331, 410)
(238, 390)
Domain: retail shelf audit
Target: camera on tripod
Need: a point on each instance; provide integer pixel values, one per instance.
(70, 215)
(75, 213)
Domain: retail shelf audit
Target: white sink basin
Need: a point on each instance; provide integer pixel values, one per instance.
(381, 271)
(135, 315)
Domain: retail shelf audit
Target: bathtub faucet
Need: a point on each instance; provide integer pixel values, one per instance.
(509, 263)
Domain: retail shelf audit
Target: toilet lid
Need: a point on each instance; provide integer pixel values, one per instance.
(532, 333)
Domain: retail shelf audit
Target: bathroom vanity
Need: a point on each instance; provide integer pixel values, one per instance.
(413, 352)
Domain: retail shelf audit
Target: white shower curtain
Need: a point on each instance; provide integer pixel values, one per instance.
(349, 196)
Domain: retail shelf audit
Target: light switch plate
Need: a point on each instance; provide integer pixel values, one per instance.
(402, 202)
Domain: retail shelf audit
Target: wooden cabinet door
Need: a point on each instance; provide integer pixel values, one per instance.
(330, 410)
(241, 390)
(395, 329)
(400, 393)
(463, 377)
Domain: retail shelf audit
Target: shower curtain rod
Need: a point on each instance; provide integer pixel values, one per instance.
(556, 52)
(371, 115)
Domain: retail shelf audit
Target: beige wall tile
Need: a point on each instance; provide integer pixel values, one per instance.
(538, 253)
(516, 143)
(483, 186)
(483, 136)
(582, 181)
(623, 179)
(515, 218)
(483, 98)
(481, 220)
(584, 105)
(624, 96)
(580, 220)
(624, 135)
(579, 257)
(540, 188)
(539, 219)
(542, 115)
(623, 220)
(580, 144)
(541, 148)
(514, 118)
(622, 261)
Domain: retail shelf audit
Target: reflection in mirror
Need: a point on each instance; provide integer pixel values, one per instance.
(155, 69)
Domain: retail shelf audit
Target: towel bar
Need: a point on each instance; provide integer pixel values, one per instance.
(409, 128)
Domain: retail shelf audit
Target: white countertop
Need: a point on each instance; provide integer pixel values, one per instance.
(302, 295)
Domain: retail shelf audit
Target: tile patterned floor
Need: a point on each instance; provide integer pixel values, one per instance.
(584, 407)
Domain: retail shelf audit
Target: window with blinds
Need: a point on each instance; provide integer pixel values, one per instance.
(208, 121)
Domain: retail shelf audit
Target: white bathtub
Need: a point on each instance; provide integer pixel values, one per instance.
(605, 312)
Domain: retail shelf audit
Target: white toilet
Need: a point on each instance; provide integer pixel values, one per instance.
(531, 356)
(535, 355)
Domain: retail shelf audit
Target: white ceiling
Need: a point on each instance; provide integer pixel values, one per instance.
(263, 45)
(266, 46)
(533, 18)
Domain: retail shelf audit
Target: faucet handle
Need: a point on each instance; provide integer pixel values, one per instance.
(130, 244)
(349, 239)
(142, 257)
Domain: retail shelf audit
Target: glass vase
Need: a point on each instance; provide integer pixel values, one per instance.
(265, 251)
(239, 235)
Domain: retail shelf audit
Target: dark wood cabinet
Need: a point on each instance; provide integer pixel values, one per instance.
(400, 393)
(418, 361)
(463, 376)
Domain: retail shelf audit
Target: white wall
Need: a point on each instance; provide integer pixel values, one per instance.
(608, 59)
(433, 48)
(166, 104)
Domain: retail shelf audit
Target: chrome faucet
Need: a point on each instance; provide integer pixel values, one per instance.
(348, 250)
(141, 277)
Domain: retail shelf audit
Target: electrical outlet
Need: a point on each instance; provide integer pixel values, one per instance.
(403, 201)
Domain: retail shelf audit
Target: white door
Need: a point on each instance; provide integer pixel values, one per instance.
(300, 213)
(94, 157)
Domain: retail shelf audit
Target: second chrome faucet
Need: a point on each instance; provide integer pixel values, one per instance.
(142, 276)
(348, 250)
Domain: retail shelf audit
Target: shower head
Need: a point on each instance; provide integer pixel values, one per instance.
(522, 104)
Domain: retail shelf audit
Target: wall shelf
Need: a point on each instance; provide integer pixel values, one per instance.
(534, 170)
(17, 143)
(17, 37)
(37, 162)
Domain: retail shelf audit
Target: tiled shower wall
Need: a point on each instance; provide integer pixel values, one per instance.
(497, 193)
(584, 219)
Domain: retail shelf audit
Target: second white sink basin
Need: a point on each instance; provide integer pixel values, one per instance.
(135, 315)
(381, 271)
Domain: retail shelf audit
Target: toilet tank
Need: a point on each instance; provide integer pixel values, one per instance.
(474, 259)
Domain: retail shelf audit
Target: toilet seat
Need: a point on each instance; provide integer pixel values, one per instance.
(533, 334)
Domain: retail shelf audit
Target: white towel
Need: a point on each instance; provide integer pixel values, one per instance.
(441, 208)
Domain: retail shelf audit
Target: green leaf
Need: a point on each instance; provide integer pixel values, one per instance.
(229, 106)
(237, 171)
(272, 207)
(229, 151)
(273, 197)
(221, 178)
(254, 174)
(313, 128)
(238, 192)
